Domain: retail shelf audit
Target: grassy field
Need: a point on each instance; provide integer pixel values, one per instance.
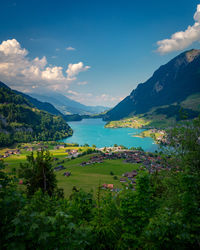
(134, 122)
(88, 177)
(192, 102)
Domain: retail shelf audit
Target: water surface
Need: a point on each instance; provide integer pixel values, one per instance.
(92, 131)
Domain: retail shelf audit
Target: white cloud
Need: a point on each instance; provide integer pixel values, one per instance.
(23, 73)
(75, 69)
(70, 48)
(12, 47)
(182, 39)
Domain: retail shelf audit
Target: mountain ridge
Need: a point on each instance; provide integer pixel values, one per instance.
(170, 83)
(66, 105)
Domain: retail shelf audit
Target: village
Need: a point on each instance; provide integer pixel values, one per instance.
(151, 162)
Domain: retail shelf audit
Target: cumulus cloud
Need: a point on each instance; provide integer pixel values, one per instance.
(182, 39)
(12, 47)
(75, 69)
(23, 73)
(70, 48)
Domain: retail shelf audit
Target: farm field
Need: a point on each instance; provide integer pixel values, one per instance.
(87, 177)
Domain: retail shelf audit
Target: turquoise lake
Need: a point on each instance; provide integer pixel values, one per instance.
(92, 131)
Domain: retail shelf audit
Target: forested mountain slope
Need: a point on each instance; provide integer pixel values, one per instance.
(20, 121)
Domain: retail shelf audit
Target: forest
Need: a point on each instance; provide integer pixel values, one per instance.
(20, 121)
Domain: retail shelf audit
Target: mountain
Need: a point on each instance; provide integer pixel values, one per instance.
(41, 105)
(21, 121)
(3, 85)
(67, 105)
(38, 104)
(171, 83)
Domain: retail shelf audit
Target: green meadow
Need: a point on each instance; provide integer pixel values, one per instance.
(88, 177)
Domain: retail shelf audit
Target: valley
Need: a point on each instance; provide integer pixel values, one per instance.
(69, 167)
(100, 125)
(88, 167)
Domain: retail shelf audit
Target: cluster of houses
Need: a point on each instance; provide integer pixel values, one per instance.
(94, 159)
(162, 138)
(128, 176)
(72, 153)
(110, 149)
(149, 161)
(10, 152)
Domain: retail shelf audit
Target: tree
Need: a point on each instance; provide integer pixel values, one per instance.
(38, 173)
(177, 218)
(11, 201)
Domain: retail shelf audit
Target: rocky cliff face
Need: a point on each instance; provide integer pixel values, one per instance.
(172, 82)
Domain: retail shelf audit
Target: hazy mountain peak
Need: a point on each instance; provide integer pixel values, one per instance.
(66, 105)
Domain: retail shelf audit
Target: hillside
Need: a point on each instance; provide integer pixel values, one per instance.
(171, 83)
(66, 105)
(41, 105)
(162, 116)
(20, 121)
(38, 104)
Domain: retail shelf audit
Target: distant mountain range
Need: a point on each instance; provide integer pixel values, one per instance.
(66, 105)
(171, 83)
(41, 105)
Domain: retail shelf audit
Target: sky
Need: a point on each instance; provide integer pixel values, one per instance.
(93, 51)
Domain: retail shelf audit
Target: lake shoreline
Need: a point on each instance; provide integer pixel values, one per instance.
(94, 132)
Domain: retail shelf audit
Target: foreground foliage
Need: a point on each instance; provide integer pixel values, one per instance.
(162, 212)
(39, 174)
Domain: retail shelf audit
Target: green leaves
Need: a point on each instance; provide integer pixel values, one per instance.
(38, 173)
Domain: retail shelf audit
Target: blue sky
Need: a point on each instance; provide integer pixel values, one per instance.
(107, 47)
